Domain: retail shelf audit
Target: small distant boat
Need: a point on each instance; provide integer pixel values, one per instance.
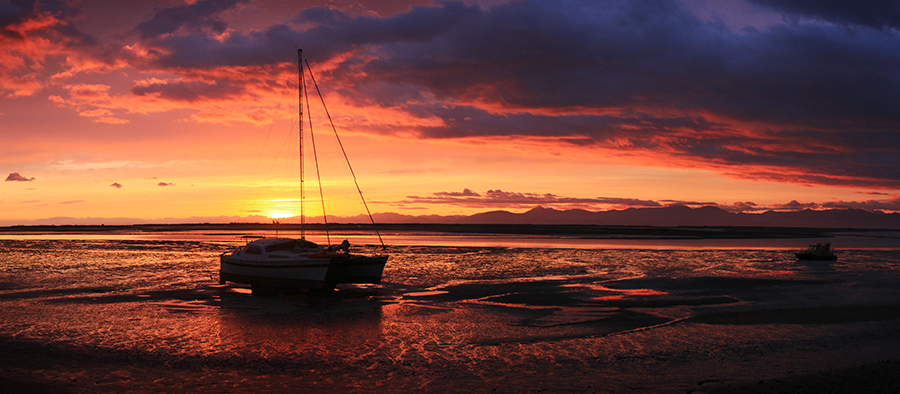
(289, 263)
(820, 251)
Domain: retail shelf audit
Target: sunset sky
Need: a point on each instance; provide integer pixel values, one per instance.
(183, 110)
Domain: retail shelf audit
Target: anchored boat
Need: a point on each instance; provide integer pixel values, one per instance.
(820, 251)
(298, 263)
(290, 263)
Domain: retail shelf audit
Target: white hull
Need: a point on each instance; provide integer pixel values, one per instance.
(309, 273)
(293, 263)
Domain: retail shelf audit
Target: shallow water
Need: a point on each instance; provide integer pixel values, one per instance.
(137, 314)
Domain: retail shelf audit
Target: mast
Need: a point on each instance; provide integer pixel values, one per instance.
(300, 119)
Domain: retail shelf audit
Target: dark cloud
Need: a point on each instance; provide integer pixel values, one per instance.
(646, 56)
(803, 102)
(420, 24)
(583, 55)
(505, 199)
(890, 205)
(165, 184)
(18, 12)
(465, 193)
(743, 206)
(794, 205)
(195, 16)
(868, 205)
(9, 14)
(580, 129)
(688, 203)
(829, 95)
(188, 90)
(15, 177)
(116, 185)
(203, 52)
(878, 14)
(336, 33)
(500, 199)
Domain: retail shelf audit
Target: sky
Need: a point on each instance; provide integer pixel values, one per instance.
(186, 110)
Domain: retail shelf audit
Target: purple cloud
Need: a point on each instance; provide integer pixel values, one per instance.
(465, 193)
(15, 177)
(868, 205)
(688, 203)
(165, 184)
(794, 205)
(505, 199)
(198, 15)
(19, 12)
(879, 14)
(116, 185)
(891, 205)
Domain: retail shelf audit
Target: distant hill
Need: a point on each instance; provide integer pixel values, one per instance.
(664, 217)
(671, 216)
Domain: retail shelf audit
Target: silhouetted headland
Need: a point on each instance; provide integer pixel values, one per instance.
(585, 231)
(666, 217)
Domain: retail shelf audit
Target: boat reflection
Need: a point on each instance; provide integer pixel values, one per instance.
(300, 330)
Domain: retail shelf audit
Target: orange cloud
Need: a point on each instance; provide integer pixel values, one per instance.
(24, 54)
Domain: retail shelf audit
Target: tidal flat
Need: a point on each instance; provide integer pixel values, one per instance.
(125, 312)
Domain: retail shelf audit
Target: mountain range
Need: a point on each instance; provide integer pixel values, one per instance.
(671, 216)
(664, 217)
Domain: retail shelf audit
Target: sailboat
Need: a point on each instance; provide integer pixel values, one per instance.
(293, 263)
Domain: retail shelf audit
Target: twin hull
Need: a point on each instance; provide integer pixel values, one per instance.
(302, 272)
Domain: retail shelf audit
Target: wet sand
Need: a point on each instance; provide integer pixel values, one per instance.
(849, 362)
(880, 377)
(36, 373)
(149, 316)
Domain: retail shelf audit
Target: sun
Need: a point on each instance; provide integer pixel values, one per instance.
(280, 213)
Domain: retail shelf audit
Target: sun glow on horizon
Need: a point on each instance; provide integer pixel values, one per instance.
(290, 208)
(280, 213)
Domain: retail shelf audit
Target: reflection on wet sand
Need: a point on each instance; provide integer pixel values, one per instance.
(304, 328)
(444, 320)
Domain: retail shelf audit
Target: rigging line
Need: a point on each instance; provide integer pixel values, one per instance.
(285, 147)
(284, 91)
(290, 166)
(312, 140)
(345, 154)
(301, 84)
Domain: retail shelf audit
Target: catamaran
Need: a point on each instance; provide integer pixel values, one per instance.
(291, 263)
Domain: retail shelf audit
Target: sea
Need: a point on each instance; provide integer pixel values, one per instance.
(455, 313)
